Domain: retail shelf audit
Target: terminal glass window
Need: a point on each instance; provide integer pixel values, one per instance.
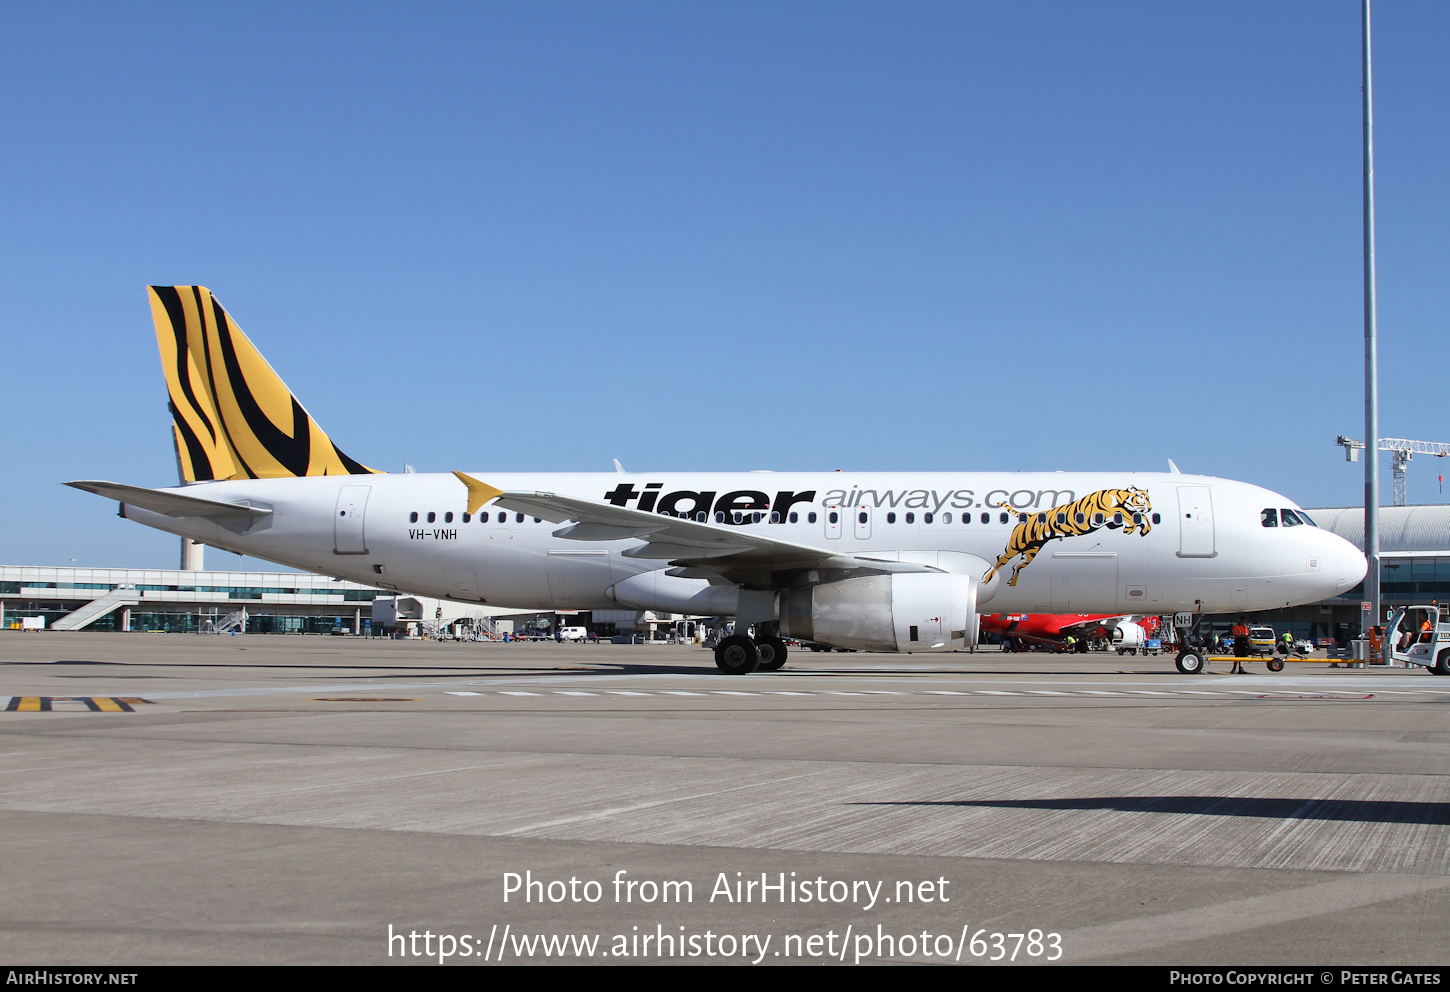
(1269, 517)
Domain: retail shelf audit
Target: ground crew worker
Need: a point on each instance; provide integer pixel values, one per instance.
(1071, 643)
(1241, 647)
(1288, 642)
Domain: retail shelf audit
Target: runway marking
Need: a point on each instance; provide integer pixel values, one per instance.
(71, 704)
(567, 692)
(366, 699)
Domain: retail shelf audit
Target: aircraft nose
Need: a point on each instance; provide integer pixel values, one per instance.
(1352, 564)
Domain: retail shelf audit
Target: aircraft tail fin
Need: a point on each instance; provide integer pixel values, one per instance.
(232, 416)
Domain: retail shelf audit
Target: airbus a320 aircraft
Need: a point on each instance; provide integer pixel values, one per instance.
(877, 561)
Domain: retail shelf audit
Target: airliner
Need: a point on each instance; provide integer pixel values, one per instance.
(877, 561)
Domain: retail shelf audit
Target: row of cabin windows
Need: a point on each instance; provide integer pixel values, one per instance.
(1060, 518)
(1270, 517)
(483, 518)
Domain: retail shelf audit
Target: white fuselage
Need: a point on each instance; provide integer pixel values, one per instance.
(1205, 549)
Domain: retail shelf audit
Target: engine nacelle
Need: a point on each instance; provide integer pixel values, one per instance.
(912, 611)
(671, 593)
(1129, 636)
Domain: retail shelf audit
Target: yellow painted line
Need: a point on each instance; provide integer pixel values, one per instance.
(94, 704)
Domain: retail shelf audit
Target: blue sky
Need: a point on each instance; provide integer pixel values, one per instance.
(722, 236)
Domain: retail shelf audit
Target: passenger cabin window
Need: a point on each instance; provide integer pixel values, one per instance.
(910, 518)
(448, 517)
(1269, 517)
(518, 518)
(891, 518)
(1157, 518)
(1290, 518)
(794, 516)
(926, 518)
(503, 518)
(413, 517)
(1079, 518)
(946, 518)
(432, 516)
(467, 516)
(1002, 517)
(832, 517)
(811, 517)
(862, 518)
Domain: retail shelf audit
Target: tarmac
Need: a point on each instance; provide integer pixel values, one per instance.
(176, 799)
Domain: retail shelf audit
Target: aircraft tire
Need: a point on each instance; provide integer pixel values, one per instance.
(772, 654)
(737, 655)
(1191, 663)
(1274, 664)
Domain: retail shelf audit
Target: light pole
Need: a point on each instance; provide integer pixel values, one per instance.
(1371, 354)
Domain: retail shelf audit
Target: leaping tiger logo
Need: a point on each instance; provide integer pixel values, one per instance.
(1127, 509)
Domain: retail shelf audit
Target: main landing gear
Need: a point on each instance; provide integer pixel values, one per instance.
(772, 653)
(739, 655)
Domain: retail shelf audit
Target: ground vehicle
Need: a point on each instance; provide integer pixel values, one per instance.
(1420, 635)
(573, 633)
(1134, 638)
(1262, 640)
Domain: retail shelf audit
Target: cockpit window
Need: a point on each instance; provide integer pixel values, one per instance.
(1305, 517)
(1269, 517)
(1290, 518)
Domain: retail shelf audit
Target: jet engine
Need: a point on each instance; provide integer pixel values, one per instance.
(911, 611)
(1129, 636)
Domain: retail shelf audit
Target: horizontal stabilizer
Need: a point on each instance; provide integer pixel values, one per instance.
(168, 502)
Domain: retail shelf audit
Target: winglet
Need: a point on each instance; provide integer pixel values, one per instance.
(618, 467)
(1173, 469)
(479, 493)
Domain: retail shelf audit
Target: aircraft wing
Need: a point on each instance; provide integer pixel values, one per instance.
(734, 552)
(172, 504)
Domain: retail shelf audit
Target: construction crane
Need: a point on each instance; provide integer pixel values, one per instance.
(1402, 450)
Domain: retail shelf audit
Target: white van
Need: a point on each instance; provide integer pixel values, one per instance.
(573, 633)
